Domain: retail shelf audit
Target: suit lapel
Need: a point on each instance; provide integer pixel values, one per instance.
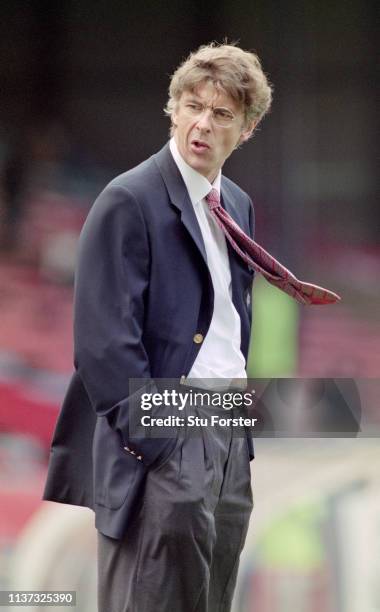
(231, 206)
(179, 197)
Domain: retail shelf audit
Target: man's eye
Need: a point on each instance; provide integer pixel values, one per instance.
(222, 113)
(193, 106)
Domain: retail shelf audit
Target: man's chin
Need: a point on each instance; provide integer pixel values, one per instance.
(198, 165)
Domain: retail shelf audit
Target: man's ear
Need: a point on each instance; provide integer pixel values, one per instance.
(247, 132)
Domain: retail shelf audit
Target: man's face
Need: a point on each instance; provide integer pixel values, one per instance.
(203, 143)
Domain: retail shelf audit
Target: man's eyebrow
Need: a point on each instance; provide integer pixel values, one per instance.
(194, 98)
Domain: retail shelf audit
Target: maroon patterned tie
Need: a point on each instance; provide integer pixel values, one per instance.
(260, 260)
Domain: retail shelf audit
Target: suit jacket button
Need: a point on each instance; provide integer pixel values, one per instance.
(198, 338)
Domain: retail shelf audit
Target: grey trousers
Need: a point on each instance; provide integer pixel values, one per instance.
(181, 552)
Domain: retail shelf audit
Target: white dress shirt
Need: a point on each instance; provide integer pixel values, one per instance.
(220, 355)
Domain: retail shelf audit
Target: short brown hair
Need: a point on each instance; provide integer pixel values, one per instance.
(238, 73)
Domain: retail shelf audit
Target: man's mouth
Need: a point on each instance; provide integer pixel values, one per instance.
(199, 145)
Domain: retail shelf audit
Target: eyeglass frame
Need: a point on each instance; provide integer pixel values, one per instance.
(203, 107)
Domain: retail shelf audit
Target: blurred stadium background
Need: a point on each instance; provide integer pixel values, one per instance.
(83, 85)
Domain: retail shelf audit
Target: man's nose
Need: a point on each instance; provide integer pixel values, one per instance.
(205, 119)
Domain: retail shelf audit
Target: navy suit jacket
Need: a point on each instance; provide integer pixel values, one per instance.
(142, 291)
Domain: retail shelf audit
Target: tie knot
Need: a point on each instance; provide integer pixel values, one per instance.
(213, 199)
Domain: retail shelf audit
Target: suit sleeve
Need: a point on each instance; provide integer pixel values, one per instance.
(110, 294)
(252, 234)
(251, 218)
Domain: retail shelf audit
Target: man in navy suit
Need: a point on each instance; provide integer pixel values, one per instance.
(159, 294)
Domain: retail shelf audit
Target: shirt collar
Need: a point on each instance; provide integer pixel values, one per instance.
(196, 184)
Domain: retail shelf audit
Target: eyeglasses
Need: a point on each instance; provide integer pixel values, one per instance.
(221, 116)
